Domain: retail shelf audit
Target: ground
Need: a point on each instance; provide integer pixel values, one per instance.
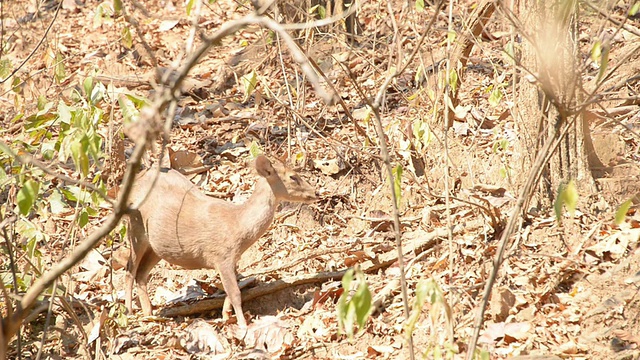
(567, 288)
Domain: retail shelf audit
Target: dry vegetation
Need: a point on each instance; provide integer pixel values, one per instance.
(87, 87)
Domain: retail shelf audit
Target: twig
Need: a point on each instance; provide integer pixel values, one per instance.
(44, 36)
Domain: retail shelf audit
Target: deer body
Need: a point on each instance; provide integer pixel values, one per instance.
(180, 224)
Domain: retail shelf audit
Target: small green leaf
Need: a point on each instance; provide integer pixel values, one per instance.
(508, 48)
(127, 38)
(3, 177)
(451, 36)
(5, 69)
(42, 103)
(254, 149)
(397, 184)
(319, 9)
(60, 72)
(567, 195)
(634, 9)
(190, 5)
(596, 50)
(604, 61)
(129, 112)
(64, 113)
(122, 231)
(87, 85)
(484, 354)
(571, 196)
(420, 5)
(249, 82)
(453, 80)
(57, 205)
(117, 6)
(495, 97)
(83, 219)
(357, 308)
(362, 303)
(27, 196)
(621, 213)
(80, 157)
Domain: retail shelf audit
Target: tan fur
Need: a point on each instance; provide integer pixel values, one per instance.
(180, 224)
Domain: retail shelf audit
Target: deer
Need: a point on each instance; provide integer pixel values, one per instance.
(177, 222)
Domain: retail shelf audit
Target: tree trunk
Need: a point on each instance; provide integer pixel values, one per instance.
(548, 104)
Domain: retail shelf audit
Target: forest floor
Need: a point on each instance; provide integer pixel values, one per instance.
(567, 289)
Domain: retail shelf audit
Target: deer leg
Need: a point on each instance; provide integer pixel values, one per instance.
(148, 261)
(230, 283)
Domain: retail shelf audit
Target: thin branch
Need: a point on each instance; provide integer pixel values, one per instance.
(44, 36)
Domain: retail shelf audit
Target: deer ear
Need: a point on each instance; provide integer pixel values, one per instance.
(264, 167)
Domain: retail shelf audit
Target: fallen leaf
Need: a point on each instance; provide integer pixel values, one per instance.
(328, 167)
(269, 333)
(202, 339)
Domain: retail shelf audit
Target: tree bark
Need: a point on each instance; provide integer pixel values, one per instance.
(550, 102)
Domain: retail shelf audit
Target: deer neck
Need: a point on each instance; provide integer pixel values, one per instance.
(257, 212)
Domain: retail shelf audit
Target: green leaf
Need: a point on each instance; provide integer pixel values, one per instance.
(362, 303)
(567, 195)
(128, 108)
(451, 36)
(117, 6)
(634, 9)
(508, 48)
(571, 197)
(621, 213)
(249, 82)
(356, 309)
(122, 231)
(453, 80)
(495, 97)
(87, 85)
(190, 4)
(5, 69)
(60, 72)
(397, 184)
(57, 205)
(3, 177)
(320, 10)
(138, 101)
(16, 84)
(596, 50)
(83, 219)
(97, 93)
(127, 39)
(254, 149)
(43, 104)
(484, 354)
(420, 5)
(70, 194)
(64, 113)
(79, 155)
(344, 323)
(27, 196)
(604, 61)
(427, 291)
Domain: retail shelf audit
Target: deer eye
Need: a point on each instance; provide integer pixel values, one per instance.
(294, 178)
